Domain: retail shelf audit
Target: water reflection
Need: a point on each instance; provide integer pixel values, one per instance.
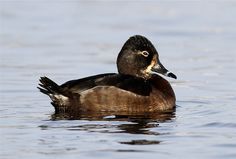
(108, 116)
(108, 123)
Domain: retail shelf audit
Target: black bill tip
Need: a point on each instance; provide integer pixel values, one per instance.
(170, 74)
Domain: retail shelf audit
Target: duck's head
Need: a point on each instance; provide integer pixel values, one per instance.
(138, 57)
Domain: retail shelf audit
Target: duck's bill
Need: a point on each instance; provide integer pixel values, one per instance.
(159, 68)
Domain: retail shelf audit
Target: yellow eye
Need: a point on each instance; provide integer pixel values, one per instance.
(145, 53)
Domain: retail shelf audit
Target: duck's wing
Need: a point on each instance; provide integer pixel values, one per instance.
(124, 82)
(48, 86)
(128, 83)
(80, 85)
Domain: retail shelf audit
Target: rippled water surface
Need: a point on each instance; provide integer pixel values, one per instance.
(68, 40)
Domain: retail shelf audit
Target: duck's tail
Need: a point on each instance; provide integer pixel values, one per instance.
(55, 92)
(48, 87)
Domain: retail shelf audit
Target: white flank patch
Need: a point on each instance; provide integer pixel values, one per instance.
(58, 98)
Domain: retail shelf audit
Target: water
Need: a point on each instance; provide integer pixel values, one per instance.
(68, 40)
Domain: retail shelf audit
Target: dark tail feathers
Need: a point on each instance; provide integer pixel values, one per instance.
(47, 86)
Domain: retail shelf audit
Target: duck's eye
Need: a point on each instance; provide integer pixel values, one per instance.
(145, 53)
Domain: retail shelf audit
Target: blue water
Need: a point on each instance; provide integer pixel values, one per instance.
(67, 40)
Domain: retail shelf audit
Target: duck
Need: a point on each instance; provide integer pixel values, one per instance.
(138, 87)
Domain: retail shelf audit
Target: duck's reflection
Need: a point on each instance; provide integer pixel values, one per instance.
(129, 123)
(108, 116)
